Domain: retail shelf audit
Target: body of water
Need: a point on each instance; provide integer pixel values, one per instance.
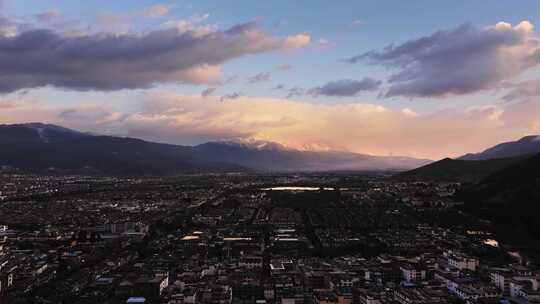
(297, 189)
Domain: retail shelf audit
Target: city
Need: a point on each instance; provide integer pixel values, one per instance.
(237, 238)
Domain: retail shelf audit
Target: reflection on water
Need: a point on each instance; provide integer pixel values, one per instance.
(297, 188)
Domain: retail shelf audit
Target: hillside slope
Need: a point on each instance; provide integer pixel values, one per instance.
(510, 198)
(528, 145)
(455, 170)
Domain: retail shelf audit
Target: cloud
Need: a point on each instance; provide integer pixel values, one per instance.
(231, 96)
(284, 67)
(297, 41)
(460, 61)
(409, 112)
(337, 88)
(356, 22)
(48, 16)
(195, 25)
(156, 11)
(323, 43)
(208, 91)
(97, 115)
(290, 92)
(345, 87)
(122, 21)
(230, 79)
(105, 62)
(294, 92)
(260, 77)
(523, 90)
(12, 103)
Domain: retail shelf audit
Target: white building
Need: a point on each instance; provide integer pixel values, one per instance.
(461, 262)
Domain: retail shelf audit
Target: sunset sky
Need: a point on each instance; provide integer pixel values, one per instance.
(415, 78)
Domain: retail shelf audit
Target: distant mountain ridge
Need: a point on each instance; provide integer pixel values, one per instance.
(275, 157)
(528, 145)
(37, 133)
(46, 148)
(473, 167)
(457, 170)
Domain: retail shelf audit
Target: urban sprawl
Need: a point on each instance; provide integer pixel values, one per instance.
(220, 239)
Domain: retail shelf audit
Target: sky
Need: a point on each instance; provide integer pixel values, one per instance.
(420, 78)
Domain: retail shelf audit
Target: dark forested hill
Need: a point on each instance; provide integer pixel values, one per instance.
(44, 149)
(455, 170)
(510, 198)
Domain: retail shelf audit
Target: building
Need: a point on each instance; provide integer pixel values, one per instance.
(413, 273)
(461, 262)
(325, 297)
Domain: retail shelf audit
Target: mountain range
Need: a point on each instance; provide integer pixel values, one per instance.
(456, 170)
(45, 148)
(274, 157)
(473, 167)
(528, 145)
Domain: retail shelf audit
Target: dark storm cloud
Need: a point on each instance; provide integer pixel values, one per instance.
(43, 57)
(463, 60)
(345, 87)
